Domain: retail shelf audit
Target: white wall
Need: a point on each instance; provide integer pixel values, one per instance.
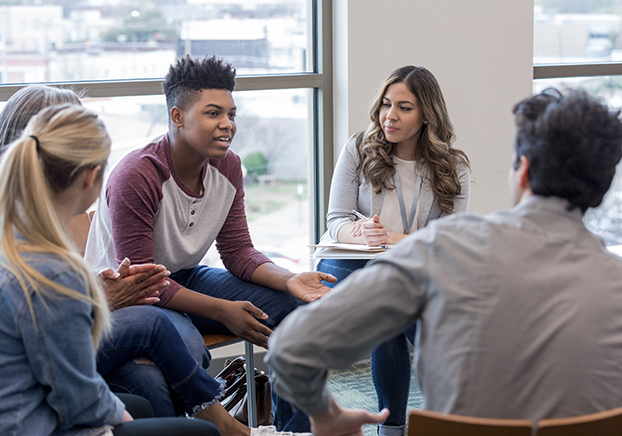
(480, 51)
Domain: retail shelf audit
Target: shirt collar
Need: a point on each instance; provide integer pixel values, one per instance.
(550, 206)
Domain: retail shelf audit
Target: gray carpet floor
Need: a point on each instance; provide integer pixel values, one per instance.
(354, 388)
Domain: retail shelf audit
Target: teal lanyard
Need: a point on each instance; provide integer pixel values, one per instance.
(407, 223)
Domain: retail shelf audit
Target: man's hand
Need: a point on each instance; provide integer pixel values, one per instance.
(239, 317)
(133, 285)
(308, 286)
(339, 421)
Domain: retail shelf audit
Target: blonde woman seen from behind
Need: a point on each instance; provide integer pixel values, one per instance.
(52, 311)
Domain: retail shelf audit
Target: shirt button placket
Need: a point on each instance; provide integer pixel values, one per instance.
(192, 212)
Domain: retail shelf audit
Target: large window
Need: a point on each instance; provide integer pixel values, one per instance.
(111, 39)
(117, 51)
(577, 31)
(578, 44)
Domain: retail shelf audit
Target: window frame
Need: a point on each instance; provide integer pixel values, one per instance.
(560, 71)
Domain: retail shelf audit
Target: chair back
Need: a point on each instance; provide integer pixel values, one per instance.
(427, 423)
(607, 423)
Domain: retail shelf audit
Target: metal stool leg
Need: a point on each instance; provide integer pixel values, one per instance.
(250, 383)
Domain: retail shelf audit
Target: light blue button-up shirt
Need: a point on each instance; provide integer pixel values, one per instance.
(520, 316)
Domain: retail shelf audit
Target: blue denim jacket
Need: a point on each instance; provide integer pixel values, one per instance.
(48, 381)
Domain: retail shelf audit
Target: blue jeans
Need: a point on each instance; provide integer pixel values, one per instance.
(287, 418)
(340, 268)
(176, 377)
(390, 362)
(220, 283)
(391, 373)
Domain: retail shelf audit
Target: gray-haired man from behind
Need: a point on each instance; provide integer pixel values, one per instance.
(519, 312)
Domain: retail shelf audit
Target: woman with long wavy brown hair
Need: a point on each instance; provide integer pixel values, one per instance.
(402, 173)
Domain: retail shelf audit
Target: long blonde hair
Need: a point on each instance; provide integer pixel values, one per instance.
(54, 148)
(434, 148)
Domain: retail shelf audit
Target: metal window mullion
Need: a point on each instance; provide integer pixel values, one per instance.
(323, 104)
(125, 88)
(576, 70)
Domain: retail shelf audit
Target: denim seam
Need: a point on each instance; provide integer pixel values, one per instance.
(187, 378)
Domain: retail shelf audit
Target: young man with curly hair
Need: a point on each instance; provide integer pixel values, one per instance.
(169, 201)
(518, 313)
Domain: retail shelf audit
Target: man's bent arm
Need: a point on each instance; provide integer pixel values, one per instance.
(368, 308)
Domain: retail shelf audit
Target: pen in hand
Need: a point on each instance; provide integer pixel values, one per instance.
(361, 216)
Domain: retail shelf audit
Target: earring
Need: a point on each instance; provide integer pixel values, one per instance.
(425, 122)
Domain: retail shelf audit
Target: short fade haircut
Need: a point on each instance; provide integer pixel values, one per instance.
(573, 143)
(187, 77)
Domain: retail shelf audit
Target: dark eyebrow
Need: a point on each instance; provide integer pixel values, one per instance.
(399, 102)
(219, 107)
